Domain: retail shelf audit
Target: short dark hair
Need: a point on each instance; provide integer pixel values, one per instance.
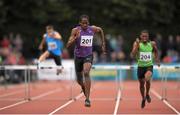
(49, 27)
(84, 16)
(144, 31)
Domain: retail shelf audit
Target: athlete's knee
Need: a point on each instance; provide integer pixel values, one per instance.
(79, 78)
(86, 73)
(148, 75)
(148, 83)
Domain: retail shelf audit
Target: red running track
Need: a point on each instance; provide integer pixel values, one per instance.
(55, 98)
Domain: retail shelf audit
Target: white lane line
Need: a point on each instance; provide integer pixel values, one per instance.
(9, 106)
(169, 105)
(48, 93)
(9, 94)
(117, 102)
(34, 98)
(66, 104)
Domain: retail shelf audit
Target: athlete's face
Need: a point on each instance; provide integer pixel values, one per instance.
(84, 23)
(49, 31)
(144, 37)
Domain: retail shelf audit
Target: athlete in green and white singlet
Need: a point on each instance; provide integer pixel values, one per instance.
(145, 51)
(145, 54)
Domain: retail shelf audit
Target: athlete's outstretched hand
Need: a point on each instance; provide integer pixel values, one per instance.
(135, 48)
(137, 41)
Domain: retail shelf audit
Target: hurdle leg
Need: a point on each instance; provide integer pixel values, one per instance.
(28, 84)
(162, 82)
(165, 84)
(117, 84)
(5, 79)
(71, 84)
(121, 82)
(25, 84)
(178, 87)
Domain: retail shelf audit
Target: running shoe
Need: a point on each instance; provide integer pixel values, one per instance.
(143, 103)
(148, 98)
(87, 103)
(58, 71)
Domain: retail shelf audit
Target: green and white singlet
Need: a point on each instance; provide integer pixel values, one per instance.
(145, 55)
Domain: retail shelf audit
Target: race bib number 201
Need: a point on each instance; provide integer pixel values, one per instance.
(86, 41)
(145, 56)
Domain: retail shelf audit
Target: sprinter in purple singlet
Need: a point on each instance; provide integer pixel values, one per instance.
(82, 36)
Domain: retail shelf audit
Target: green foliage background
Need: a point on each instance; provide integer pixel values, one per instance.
(126, 17)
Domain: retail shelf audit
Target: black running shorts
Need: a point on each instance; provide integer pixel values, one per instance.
(79, 61)
(142, 70)
(56, 58)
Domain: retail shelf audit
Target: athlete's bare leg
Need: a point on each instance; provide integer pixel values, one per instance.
(86, 71)
(142, 90)
(148, 76)
(43, 56)
(141, 87)
(80, 81)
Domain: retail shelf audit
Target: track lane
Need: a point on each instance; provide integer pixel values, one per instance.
(129, 106)
(105, 90)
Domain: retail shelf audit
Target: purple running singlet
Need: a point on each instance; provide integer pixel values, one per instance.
(83, 46)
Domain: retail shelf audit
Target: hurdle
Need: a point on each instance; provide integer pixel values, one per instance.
(27, 77)
(118, 78)
(119, 81)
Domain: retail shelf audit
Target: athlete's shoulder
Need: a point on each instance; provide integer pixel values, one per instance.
(75, 30)
(96, 28)
(57, 33)
(93, 26)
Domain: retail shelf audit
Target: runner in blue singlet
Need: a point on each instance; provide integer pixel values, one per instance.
(53, 41)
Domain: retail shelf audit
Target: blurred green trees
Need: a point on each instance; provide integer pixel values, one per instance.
(127, 17)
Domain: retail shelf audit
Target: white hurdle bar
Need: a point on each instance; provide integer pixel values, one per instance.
(131, 67)
(35, 67)
(28, 67)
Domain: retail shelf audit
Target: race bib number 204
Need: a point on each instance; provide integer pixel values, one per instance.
(145, 56)
(86, 41)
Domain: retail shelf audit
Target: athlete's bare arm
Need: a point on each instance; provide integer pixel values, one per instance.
(156, 55)
(74, 35)
(135, 48)
(98, 29)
